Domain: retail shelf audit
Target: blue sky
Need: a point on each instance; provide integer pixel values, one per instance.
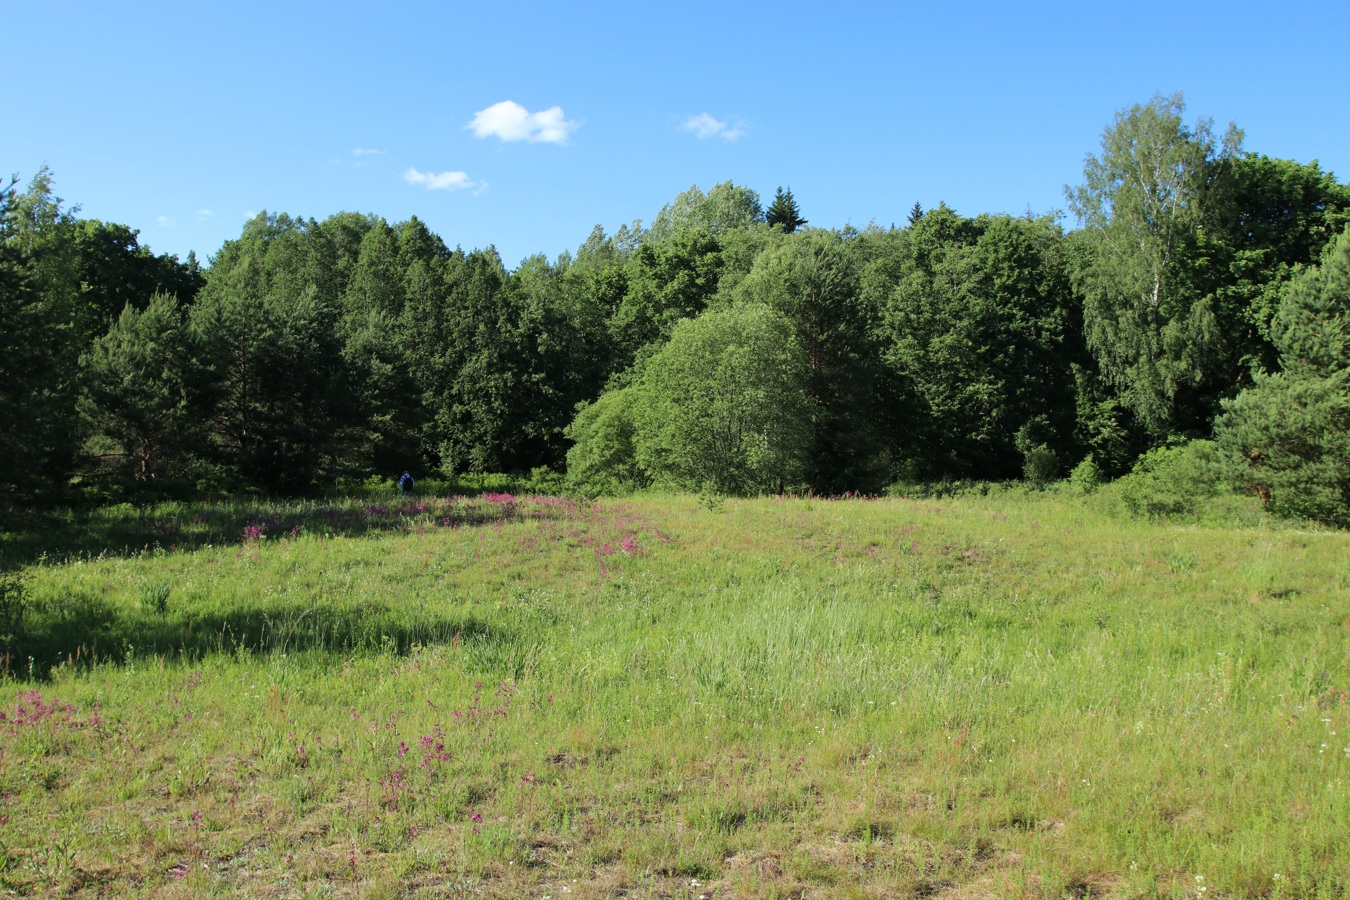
(524, 125)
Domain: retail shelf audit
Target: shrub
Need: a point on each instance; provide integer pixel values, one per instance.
(1087, 476)
(602, 458)
(1172, 481)
(11, 609)
(1040, 466)
(938, 490)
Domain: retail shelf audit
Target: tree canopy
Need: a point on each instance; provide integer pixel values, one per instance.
(725, 345)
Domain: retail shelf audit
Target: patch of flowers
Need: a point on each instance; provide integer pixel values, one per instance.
(31, 710)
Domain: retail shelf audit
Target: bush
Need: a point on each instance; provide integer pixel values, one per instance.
(1040, 466)
(720, 407)
(1087, 476)
(12, 607)
(938, 490)
(1172, 481)
(603, 459)
(546, 482)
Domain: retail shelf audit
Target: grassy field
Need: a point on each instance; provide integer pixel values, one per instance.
(1015, 695)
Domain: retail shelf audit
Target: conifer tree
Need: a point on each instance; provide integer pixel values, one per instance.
(783, 211)
(1288, 436)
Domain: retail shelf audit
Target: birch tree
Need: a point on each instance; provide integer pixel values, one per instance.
(1147, 318)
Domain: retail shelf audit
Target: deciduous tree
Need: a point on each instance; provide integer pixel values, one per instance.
(1147, 316)
(812, 279)
(724, 404)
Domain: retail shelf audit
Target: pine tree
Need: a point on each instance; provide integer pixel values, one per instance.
(1288, 435)
(783, 211)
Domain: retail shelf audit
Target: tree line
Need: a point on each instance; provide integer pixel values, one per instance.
(1202, 294)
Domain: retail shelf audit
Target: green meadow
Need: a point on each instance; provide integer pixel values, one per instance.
(1013, 695)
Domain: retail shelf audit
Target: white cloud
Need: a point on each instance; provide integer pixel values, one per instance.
(366, 151)
(164, 221)
(705, 126)
(205, 213)
(510, 121)
(445, 181)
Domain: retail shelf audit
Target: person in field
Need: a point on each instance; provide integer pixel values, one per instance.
(405, 483)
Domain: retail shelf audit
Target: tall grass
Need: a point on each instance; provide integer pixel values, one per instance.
(1007, 695)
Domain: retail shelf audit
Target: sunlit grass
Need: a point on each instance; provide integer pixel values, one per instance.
(1012, 695)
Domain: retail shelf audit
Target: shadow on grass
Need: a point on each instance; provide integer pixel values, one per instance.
(126, 530)
(88, 630)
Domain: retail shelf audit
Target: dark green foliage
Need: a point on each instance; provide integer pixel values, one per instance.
(1289, 434)
(1087, 476)
(722, 406)
(562, 360)
(739, 250)
(1269, 216)
(22, 360)
(114, 271)
(1041, 466)
(283, 415)
(666, 280)
(493, 355)
(142, 389)
(1148, 318)
(986, 348)
(592, 289)
(1189, 243)
(455, 333)
(1103, 426)
(63, 282)
(387, 394)
(812, 279)
(45, 330)
(1291, 443)
(1311, 332)
(13, 605)
(374, 270)
(783, 212)
(980, 328)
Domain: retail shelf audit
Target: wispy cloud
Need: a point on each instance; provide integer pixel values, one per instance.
(705, 126)
(164, 221)
(444, 181)
(205, 213)
(510, 121)
(363, 155)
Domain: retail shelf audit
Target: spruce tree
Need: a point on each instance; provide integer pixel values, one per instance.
(783, 211)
